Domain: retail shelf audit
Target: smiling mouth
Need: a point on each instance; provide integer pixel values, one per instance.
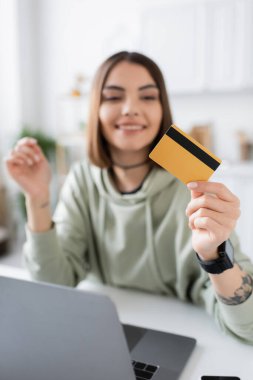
(130, 127)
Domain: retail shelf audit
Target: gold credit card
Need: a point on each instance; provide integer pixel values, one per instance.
(184, 157)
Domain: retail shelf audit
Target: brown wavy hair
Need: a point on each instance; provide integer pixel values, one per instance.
(97, 147)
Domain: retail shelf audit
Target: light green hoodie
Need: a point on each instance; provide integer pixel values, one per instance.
(140, 240)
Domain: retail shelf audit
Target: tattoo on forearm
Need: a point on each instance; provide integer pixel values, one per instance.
(241, 294)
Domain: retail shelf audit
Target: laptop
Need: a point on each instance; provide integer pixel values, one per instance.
(51, 332)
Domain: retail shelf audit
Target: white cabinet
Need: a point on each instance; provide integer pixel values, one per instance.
(229, 45)
(201, 46)
(248, 35)
(225, 45)
(173, 36)
(239, 179)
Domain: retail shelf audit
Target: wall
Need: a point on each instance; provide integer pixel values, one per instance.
(29, 53)
(73, 36)
(45, 43)
(9, 74)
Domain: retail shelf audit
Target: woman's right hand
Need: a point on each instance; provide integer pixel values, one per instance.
(28, 166)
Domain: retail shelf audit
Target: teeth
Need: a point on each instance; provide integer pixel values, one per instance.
(130, 127)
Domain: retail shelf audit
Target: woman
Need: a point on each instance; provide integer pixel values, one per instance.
(121, 219)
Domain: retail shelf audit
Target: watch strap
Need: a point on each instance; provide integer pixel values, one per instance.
(218, 265)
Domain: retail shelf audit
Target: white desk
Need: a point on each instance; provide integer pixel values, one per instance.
(215, 353)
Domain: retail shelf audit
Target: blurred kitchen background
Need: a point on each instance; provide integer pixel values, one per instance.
(50, 50)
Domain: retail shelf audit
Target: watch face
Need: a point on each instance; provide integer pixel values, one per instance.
(226, 249)
(229, 250)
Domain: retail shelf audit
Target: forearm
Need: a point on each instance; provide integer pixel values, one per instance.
(233, 286)
(39, 217)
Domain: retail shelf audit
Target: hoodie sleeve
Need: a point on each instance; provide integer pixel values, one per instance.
(236, 320)
(60, 254)
(193, 283)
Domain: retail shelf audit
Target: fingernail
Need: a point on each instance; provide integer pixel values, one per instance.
(192, 185)
(37, 158)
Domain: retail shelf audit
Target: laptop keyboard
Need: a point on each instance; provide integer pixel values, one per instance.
(144, 371)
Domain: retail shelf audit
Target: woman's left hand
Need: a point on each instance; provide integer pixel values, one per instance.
(212, 212)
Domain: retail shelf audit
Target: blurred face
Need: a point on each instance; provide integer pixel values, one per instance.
(130, 112)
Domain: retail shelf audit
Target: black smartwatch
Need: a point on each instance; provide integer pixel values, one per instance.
(223, 262)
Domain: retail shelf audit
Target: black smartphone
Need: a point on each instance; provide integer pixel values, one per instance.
(220, 378)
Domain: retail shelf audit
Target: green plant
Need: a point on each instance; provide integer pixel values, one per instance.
(47, 143)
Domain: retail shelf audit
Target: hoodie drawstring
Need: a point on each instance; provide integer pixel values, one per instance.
(154, 267)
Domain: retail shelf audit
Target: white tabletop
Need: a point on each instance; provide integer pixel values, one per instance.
(215, 353)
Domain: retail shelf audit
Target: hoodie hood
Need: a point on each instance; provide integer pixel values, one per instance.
(156, 181)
